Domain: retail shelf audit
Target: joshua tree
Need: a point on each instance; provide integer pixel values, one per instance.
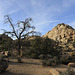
(20, 30)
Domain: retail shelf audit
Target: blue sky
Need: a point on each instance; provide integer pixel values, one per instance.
(46, 14)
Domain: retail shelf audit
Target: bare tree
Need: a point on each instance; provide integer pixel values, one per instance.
(20, 30)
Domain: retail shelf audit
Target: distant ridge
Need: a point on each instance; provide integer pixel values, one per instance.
(3, 36)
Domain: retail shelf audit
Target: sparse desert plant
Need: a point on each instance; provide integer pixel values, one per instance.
(73, 53)
(50, 62)
(34, 56)
(42, 56)
(56, 61)
(69, 71)
(3, 64)
(66, 60)
(74, 43)
(19, 59)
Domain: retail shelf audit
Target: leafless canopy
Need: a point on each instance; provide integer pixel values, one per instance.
(21, 29)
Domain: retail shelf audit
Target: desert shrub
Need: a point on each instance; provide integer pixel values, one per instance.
(35, 48)
(74, 43)
(50, 61)
(73, 53)
(42, 56)
(66, 60)
(3, 64)
(41, 47)
(33, 55)
(6, 44)
(71, 58)
(19, 59)
(56, 61)
(69, 71)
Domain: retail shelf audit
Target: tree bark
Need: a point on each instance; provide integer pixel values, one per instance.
(19, 42)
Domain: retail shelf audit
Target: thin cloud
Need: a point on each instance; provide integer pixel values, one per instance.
(13, 11)
(42, 12)
(72, 24)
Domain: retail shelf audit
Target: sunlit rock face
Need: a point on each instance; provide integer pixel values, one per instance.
(61, 33)
(64, 34)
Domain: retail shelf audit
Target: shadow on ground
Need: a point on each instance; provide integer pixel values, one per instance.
(11, 73)
(16, 63)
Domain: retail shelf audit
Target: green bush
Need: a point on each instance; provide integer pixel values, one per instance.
(69, 71)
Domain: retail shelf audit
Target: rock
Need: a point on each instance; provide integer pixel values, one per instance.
(71, 64)
(62, 33)
(54, 72)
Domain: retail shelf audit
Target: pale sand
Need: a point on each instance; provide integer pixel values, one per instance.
(31, 67)
(28, 67)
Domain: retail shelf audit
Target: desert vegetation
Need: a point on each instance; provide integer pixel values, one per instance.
(27, 46)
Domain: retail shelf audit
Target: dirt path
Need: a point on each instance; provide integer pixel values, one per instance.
(28, 67)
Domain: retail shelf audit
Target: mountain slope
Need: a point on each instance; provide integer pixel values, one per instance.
(61, 33)
(64, 34)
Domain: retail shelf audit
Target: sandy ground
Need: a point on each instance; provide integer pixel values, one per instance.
(30, 67)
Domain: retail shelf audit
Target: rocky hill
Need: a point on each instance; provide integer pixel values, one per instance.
(3, 36)
(62, 33)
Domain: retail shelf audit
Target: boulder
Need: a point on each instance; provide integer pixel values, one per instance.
(71, 64)
(54, 72)
(62, 33)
